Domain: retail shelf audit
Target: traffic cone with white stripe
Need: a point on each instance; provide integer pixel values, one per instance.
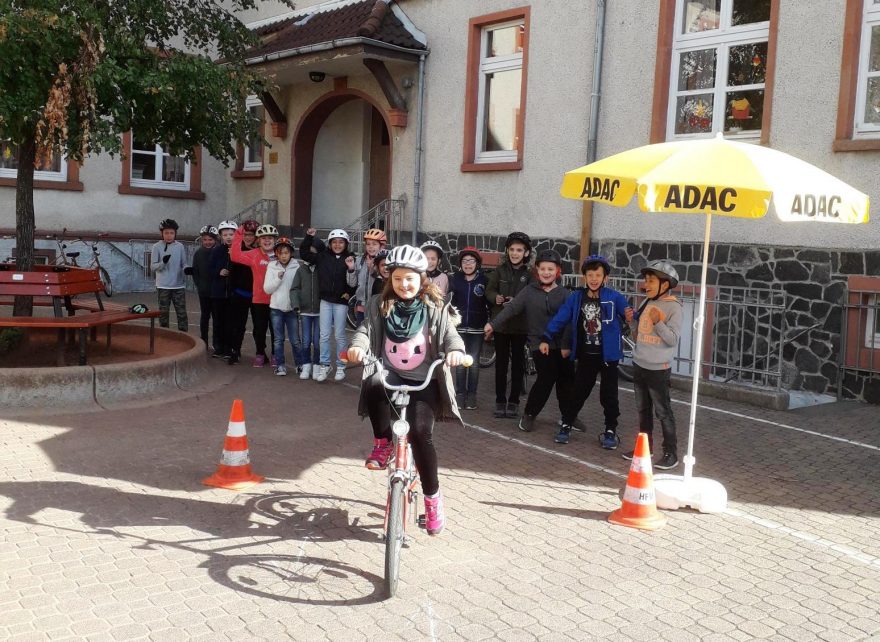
(639, 507)
(234, 471)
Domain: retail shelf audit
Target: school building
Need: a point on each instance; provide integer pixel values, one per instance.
(456, 119)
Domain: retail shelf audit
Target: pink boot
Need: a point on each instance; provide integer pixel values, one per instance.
(378, 459)
(435, 520)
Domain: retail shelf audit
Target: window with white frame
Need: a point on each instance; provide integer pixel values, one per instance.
(55, 170)
(253, 151)
(498, 131)
(867, 116)
(719, 66)
(872, 327)
(152, 167)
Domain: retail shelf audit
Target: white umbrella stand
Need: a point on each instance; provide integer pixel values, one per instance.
(676, 491)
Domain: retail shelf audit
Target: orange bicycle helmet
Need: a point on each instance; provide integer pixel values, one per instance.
(375, 234)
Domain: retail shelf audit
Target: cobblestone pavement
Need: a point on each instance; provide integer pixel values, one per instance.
(108, 533)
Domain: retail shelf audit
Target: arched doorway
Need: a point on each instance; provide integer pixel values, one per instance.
(341, 163)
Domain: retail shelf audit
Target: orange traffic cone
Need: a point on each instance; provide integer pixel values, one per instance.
(639, 507)
(234, 470)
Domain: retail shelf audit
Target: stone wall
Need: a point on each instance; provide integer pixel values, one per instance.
(814, 281)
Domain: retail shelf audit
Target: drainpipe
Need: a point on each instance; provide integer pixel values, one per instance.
(595, 95)
(417, 181)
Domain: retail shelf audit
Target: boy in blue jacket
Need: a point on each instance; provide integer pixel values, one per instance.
(593, 315)
(468, 288)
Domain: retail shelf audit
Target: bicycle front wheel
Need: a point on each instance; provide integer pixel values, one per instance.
(487, 354)
(105, 279)
(394, 537)
(351, 314)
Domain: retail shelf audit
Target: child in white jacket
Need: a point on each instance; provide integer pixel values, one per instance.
(277, 282)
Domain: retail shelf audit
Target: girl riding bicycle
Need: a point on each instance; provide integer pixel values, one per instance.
(408, 326)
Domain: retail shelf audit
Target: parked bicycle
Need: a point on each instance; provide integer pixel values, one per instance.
(69, 259)
(627, 345)
(402, 498)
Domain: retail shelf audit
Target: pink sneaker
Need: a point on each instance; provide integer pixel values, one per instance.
(378, 459)
(259, 361)
(435, 520)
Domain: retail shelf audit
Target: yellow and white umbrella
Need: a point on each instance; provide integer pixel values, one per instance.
(713, 176)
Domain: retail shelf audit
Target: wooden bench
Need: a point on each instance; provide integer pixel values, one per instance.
(82, 323)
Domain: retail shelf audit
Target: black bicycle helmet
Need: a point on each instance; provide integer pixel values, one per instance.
(518, 237)
(592, 261)
(551, 256)
(169, 224)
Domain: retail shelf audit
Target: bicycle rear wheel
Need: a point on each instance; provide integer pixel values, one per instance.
(351, 314)
(105, 279)
(394, 537)
(487, 354)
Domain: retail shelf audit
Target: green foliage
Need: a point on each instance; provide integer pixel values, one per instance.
(84, 71)
(10, 338)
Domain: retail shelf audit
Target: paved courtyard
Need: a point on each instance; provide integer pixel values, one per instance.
(108, 533)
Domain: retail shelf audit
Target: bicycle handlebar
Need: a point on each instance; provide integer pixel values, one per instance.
(383, 371)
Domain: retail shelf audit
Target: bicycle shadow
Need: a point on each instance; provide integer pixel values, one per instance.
(579, 513)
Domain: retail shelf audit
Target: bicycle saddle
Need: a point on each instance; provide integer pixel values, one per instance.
(71, 255)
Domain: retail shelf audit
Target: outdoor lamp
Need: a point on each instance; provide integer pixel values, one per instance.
(317, 76)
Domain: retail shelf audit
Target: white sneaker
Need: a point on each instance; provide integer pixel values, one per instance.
(322, 373)
(306, 372)
(340, 374)
(280, 371)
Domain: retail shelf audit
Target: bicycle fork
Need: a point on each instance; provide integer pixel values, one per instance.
(403, 472)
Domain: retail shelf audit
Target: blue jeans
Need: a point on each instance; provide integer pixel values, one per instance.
(466, 379)
(282, 321)
(333, 318)
(309, 350)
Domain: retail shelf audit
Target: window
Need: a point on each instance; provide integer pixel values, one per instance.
(253, 153)
(152, 167)
(872, 327)
(55, 171)
(496, 91)
(867, 112)
(719, 68)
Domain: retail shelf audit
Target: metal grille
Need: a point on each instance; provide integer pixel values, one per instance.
(860, 335)
(744, 331)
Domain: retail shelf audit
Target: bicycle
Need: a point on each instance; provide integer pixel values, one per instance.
(627, 345)
(402, 474)
(68, 259)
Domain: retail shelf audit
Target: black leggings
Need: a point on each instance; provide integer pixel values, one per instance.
(259, 315)
(205, 320)
(420, 413)
(222, 315)
(509, 347)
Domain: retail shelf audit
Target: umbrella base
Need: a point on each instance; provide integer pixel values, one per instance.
(699, 493)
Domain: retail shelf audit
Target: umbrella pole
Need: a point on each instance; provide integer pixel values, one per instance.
(699, 323)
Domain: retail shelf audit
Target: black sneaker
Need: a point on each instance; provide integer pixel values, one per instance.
(233, 359)
(577, 425)
(471, 401)
(667, 461)
(527, 423)
(500, 410)
(217, 354)
(628, 455)
(512, 411)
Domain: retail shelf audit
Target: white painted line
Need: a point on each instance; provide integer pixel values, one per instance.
(771, 423)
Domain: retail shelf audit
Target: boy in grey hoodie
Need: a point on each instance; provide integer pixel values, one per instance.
(167, 261)
(657, 329)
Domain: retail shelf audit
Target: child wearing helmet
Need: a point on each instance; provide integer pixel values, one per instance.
(380, 272)
(505, 282)
(434, 251)
(277, 283)
(468, 287)
(257, 259)
(591, 318)
(241, 288)
(537, 303)
(168, 261)
(657, 329)
(337, 283)
(409, 326)
(201, 276)
(374, 240)
(221, 312)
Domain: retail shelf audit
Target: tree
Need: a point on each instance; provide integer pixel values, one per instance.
(76, 74)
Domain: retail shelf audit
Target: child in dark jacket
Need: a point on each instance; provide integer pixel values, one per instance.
(201, 276)
(468, 288)
(504, 283)
(592, 315)
(537, 303)
(337, 283)
(306, 300)
(220, 268)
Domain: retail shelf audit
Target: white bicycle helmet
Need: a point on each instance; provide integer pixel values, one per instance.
(227, 225)
(266, 230)
(338, 234)
(208, 229)
(433, 245)
(407, 256)
(663, 270)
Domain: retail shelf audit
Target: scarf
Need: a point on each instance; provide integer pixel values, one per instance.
(407, 319)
